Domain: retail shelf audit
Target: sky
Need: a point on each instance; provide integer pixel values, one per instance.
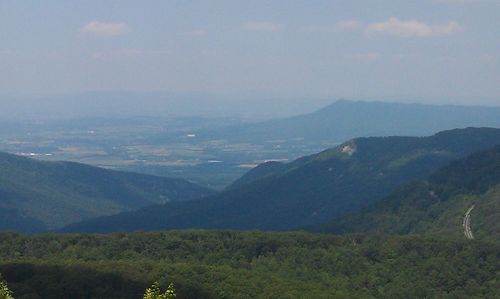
(430, 51)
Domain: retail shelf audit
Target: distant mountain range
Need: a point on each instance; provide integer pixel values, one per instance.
(344, 120)
(438, 204)
(37, 195)
(311, 190)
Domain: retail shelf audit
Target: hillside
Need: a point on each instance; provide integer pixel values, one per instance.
(229, 264)
(37, 195)
(438, 204)
(310, 190)
(343, 120)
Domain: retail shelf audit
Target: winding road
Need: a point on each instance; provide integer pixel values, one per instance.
(466, 224)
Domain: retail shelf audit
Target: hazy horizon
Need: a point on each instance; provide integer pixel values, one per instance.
(117, 104)
(280, 52)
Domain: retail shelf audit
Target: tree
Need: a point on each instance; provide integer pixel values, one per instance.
(5, 293)
(154, 292)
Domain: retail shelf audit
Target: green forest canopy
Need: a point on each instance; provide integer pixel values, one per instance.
(229, 264)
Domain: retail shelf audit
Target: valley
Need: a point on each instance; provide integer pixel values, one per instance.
(157, 146)
(216, 151)
(313, 189)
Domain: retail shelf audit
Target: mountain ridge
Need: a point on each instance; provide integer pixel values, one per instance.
(312, 189)
(438, 204)
(345, 119)
(43, 195)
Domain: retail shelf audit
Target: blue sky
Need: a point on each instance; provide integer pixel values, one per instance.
(442, 51)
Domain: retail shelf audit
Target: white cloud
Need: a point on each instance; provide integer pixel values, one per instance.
(263, 26)
(412, 28)
(197, 32)
(117, 54)
(105, 29)
(370, 56)
(345, 25)
(460, 1)
(487, 58)
(130, 52)
(342, 25)
(6, 52)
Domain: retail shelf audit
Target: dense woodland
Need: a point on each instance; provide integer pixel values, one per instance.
(438, 204)
(229, 264)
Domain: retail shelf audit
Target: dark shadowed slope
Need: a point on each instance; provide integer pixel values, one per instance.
(310, 190)
(438, 204)
(35, 195)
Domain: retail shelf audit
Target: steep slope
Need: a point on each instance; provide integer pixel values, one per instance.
(344, 120)
(261, 171)
(35, 195)
(312, 189)
(440, 203)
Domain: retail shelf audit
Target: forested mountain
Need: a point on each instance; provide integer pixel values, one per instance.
(310, 190)
(438, 204)
(229, 264)
(37, 195)
(345, 120)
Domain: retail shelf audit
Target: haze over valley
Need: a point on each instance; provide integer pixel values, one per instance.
(215, 151)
